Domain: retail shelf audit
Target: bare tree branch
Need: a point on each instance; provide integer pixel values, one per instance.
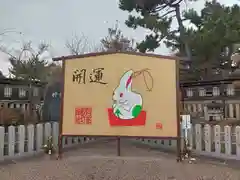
(25, 53)
(81, 45)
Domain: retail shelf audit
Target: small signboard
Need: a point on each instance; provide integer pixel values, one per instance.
(186, 121)
(186, 125)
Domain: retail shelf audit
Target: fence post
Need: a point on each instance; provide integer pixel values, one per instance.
(82, 140)
(21, 139)
(11, 141)
(231, 113)
(207, 138)
(76, 140)
(237, 112)
(190, 137)
(217, 139)
(79, 140)
(55, 134)
(237, 131)
(39, 138)
(65, 141)
(182, 141)
(47, 131)
(228, 142)
(2, 142)
(87, 139)
(198, 130)
(31, 138)
(69, 141)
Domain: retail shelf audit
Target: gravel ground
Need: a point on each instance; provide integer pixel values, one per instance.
(98, 161)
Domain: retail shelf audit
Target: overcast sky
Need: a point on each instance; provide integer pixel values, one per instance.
(55, 21)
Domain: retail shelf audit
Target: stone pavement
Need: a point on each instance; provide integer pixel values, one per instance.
(98, 161)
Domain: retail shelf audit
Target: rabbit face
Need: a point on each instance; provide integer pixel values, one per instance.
(124, 100)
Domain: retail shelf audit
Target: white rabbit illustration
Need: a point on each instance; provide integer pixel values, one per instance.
(126, 104)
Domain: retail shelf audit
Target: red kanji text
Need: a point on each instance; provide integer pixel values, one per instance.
(83, 115)
(159, 126)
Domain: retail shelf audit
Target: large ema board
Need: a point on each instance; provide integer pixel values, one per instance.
(120, 94)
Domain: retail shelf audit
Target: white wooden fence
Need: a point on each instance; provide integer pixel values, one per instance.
(214, 141)
(22, 141)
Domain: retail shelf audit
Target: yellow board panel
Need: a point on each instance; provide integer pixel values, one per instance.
(120, 95)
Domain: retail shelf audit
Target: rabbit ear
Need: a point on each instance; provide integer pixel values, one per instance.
(126, 80)
(129, 83)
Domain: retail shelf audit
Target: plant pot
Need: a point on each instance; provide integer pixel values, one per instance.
(140, 120)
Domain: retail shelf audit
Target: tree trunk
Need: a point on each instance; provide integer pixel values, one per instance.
(182, 32)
